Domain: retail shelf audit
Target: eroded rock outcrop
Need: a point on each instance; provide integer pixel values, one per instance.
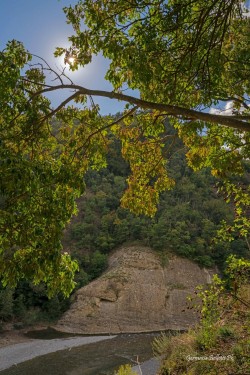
(136, 294)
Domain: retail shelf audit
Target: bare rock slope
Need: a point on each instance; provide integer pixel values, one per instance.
(136, 294)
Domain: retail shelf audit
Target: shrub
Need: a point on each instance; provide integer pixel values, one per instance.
(161, 344)
(6, 303)
(125, 370)
(226, 333)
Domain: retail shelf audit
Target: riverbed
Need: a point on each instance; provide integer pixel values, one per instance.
(81, 355)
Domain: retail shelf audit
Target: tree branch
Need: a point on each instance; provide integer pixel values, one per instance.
(172, 110)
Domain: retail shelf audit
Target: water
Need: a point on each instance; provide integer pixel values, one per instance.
(101, 358)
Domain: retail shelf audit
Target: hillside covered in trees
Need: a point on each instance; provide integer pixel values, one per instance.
(186, 224)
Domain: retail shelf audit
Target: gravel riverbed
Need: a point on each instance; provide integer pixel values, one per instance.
(149, 367)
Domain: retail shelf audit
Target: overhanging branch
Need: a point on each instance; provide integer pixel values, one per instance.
(173, 110)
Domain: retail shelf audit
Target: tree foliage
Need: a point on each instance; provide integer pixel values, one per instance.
(182, 57)
(186, 223)
(196, 55)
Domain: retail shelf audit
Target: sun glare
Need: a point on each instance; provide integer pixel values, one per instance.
(71, 60)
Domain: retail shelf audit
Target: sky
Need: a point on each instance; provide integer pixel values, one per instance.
(41, 26)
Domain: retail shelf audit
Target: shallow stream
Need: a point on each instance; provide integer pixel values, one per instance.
(100, 358)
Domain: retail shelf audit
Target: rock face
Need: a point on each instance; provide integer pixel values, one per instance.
(136, 294)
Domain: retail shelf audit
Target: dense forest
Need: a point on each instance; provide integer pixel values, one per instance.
(186, 224)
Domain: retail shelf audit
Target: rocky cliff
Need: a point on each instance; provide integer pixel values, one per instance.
(136, 294)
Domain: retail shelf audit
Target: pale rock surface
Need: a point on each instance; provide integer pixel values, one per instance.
(136, 294)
